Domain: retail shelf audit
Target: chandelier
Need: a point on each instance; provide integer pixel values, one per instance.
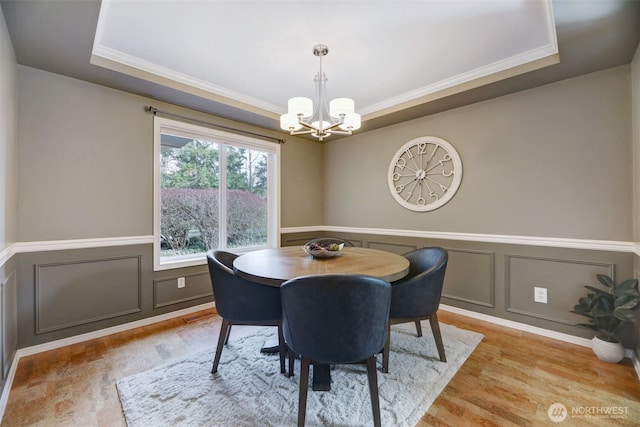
(306, 117)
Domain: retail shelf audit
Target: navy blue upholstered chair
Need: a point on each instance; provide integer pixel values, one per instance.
(417, 296)
(336, 319)
(241, 302)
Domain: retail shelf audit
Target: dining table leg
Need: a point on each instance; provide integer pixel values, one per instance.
(321, 372)
(321, 377)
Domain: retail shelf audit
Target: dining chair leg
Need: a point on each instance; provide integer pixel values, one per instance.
(372, 375)
(292, 361)
(224, 335)
(418, 328)
(435, 328)
(226, 339)
(385, 351)
(304, 387)
(281, 348)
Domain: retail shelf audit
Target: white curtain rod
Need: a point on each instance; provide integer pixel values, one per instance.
(155, 112)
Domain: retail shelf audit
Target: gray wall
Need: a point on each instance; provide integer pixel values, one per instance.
(549, 162)
(8, 200)
(84, 160)
(553, 162)
(86, 164)
(302, 191)
(635, 120)
(8, 140)
(85, 169)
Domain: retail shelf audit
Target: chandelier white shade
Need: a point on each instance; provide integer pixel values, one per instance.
(319, 119)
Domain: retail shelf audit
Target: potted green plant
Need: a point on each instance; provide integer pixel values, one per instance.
(609, 311)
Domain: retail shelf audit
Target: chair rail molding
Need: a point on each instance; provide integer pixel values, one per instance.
(7, 253)
(99, 242)
(558, 242)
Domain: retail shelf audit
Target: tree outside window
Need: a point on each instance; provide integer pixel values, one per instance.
(202, 207)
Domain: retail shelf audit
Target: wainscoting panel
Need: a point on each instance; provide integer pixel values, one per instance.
(496, 276)
(9, 322)
(166, 291)
(562, 278)
(301, 239)
(396, 248)
(470, 277)
(298, 241)
(68, 294)
(3, 364)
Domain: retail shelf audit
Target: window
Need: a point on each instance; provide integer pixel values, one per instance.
(213, 190)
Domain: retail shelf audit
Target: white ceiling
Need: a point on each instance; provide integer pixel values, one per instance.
(386, 55)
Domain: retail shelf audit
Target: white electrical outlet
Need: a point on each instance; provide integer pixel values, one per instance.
(180, 282)
(540, 295)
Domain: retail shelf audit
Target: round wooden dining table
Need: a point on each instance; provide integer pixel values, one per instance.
(275, 266)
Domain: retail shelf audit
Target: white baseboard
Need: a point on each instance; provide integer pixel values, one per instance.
(584, 342)
(27, 351)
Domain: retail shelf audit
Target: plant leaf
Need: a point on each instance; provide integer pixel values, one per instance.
(597, 291)
(606, 280)
(582, 313)
(627, 290)
(601, 312)
(617, 332)
(625, 315)
(587, 325)
(603, 302)
(628, 302)
(629, 284)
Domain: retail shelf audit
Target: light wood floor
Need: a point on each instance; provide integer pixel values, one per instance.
(511, 378)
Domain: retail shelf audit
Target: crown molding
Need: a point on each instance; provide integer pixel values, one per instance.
(518, 64)
(124, 63)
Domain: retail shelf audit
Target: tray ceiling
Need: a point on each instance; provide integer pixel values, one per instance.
(386, 55)
(399, 60)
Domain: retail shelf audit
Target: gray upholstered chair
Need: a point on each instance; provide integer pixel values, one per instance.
(336, 319)
(417, 296)
(241, 302)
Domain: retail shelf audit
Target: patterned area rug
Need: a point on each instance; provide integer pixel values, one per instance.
(248, 389)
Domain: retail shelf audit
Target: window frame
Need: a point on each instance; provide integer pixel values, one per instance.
(223, 139)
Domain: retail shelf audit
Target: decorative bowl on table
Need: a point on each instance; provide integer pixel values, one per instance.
(322, 249)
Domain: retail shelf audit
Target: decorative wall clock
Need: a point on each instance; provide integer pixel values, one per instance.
(425, 173)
